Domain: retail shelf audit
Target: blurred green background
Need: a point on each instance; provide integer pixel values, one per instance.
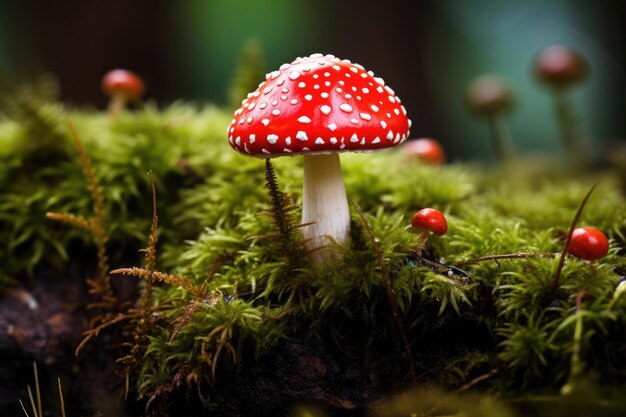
(426, 50)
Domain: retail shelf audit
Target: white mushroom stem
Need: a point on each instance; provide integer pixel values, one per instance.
(325, 203)
(117, 104)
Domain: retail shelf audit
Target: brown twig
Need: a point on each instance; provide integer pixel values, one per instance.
(507, 256)
(393, 303)
(579, 212)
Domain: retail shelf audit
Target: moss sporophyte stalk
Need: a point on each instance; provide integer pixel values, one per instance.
(227, 281)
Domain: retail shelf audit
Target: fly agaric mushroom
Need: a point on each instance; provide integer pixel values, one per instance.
(426, 149)
(122, 86)
(560, 68)
(428, 220)
(588, 243)
(490, 97)
(317, 107)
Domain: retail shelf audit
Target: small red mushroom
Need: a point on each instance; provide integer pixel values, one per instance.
(318, 107)
(426, 149)
(428, 220)
(561, 68)
(588, 243)
(490, 97)
(122, 86)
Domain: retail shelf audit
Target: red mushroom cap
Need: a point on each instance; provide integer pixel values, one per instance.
(431, 219)
(588, 243)
(560, 66)
(123, 81)
(425, 149)
(487, 95)
(318, 104)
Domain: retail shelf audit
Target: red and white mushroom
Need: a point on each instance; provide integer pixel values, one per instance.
(122, 86)
(317, 107)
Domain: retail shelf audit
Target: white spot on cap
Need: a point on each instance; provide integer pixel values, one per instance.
(316, 55)
(393, 100)
(379, 80)
(354, 70)
(285, 90)
(345, 107)
(280, 82)
(252, 138)
(265, 151)
(245, 147)
(374, 108)
(390, 135)
(316, 86)
(333, 140)
(354, 121)
(308, 97)
(272, 139)
(342, 82)
(353, 88)
(304, 119)
(332, 127)
(338, 89)
(286, 150)
(383, 124)
(365, 90)
(380, 89)
(283, 97)
(403, 109)
(377, 140)
(397, 112)
(249, 120)
(397, 138)
(410, 123)
(294, 75)
(267, 90)
(336, 67)
(301, 84)
(274, 103)
(263, 105)
(389, 115)
(327, 74)
(265, 122)
(305, 149)
(324, 94)
(316, 76)
(354, 138)
(327, 83)
(363, 141)
(275, 112)
(238, 140)
(238, 112)
(319, 141)
(301, 135)
(284, 66)
(275, 74)
(363, 75)
(288, 140)
(325, 109)
(294, 101)
(365, 116)
(390, 91)
(348, 96)
(251, 106)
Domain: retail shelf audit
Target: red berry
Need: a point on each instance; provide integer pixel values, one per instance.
(430, 219)
(588, 243)
(560, 66)
(426, 149)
